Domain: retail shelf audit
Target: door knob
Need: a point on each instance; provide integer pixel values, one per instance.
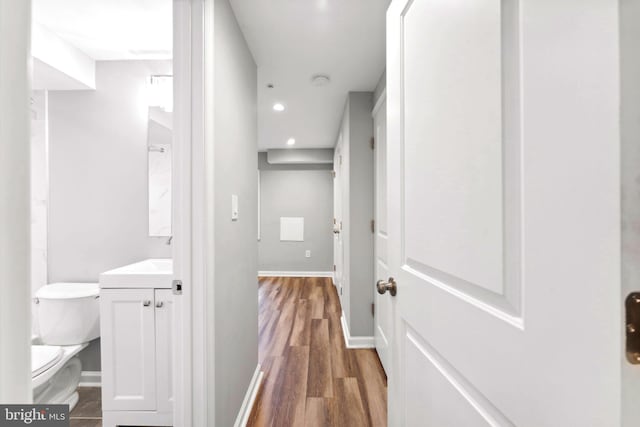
(159, 304)
(336, 231)
(389, 285)
(146, 303)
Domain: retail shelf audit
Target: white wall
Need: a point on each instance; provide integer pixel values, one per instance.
(15, 324)
(630, 163)
(39, 189)
(98, 216)
(234, 166)
(296, 191)
(98, 174)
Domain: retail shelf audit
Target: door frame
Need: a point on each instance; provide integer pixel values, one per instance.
(15, 221)
(192, 166)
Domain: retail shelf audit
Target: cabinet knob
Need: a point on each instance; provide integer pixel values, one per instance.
(159, 304)
(146, 303)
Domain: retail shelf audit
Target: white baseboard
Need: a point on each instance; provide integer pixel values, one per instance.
(247, 404)
(295, 273)
(90, 379)
(357, 341)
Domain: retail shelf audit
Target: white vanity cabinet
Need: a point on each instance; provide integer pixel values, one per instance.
(136, 344)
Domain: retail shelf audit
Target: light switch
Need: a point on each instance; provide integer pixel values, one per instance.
(234, 207)
(307, 253)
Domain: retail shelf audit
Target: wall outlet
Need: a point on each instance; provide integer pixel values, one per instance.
(307, 254)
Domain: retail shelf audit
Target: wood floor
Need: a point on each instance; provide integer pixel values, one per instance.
(311, 378)
(88, 411)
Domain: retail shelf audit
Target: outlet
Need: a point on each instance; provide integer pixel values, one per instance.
(307, 254)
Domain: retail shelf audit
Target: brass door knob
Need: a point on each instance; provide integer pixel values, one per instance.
(389, 285)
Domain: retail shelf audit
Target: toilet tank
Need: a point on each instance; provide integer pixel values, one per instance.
(68, 313)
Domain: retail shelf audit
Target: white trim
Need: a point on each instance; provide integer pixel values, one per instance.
(90, 379)
(142, 418)
(295, 273)
(15, 290)
(185, 383)
(379, 102)
(358, 341)
(249, 398)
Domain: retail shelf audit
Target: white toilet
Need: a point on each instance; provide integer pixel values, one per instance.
(68, 317)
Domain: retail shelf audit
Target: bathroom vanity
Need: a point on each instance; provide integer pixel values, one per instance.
(136, 309)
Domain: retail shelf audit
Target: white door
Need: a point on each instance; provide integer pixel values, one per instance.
(383, 306)
(164, 308)
(338, 251)
(504, 219)
(128, 349)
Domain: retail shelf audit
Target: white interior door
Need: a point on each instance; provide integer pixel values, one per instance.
(338, 250)
(383, 305)
(504, 219)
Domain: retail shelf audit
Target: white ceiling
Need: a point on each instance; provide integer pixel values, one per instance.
(292, 40)
(110, 29)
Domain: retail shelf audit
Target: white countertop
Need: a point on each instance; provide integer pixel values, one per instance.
(156, 273)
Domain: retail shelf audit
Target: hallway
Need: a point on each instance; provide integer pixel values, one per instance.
(311, 378)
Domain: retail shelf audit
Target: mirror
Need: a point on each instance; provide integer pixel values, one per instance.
(159, 138)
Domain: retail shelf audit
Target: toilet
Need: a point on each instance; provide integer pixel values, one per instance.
(68, 317)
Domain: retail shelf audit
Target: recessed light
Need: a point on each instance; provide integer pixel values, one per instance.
(278, 107)
(291, 141)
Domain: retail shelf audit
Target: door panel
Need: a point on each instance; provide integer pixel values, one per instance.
(428, 374)
(454, 227)
(503, 218)
(128, 349)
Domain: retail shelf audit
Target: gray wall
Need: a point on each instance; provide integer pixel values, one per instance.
(98, 217)
(235, 167)
(380, 87)
(298, 191)
(356, 180)
(360, 213)
(630, 163)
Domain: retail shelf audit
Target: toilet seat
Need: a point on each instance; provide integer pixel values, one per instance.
(44, 357)
(56, 373)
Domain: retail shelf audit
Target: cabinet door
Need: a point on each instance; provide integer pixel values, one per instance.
(164, 348)
(128, 349)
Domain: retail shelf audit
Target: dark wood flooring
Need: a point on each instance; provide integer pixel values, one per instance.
(88, 410)
(310, 377)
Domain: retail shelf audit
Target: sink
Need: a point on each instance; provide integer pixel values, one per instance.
(155, 273)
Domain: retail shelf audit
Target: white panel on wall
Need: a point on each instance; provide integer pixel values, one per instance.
(291, 229)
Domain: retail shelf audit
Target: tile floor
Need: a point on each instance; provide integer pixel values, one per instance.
(88, 411)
